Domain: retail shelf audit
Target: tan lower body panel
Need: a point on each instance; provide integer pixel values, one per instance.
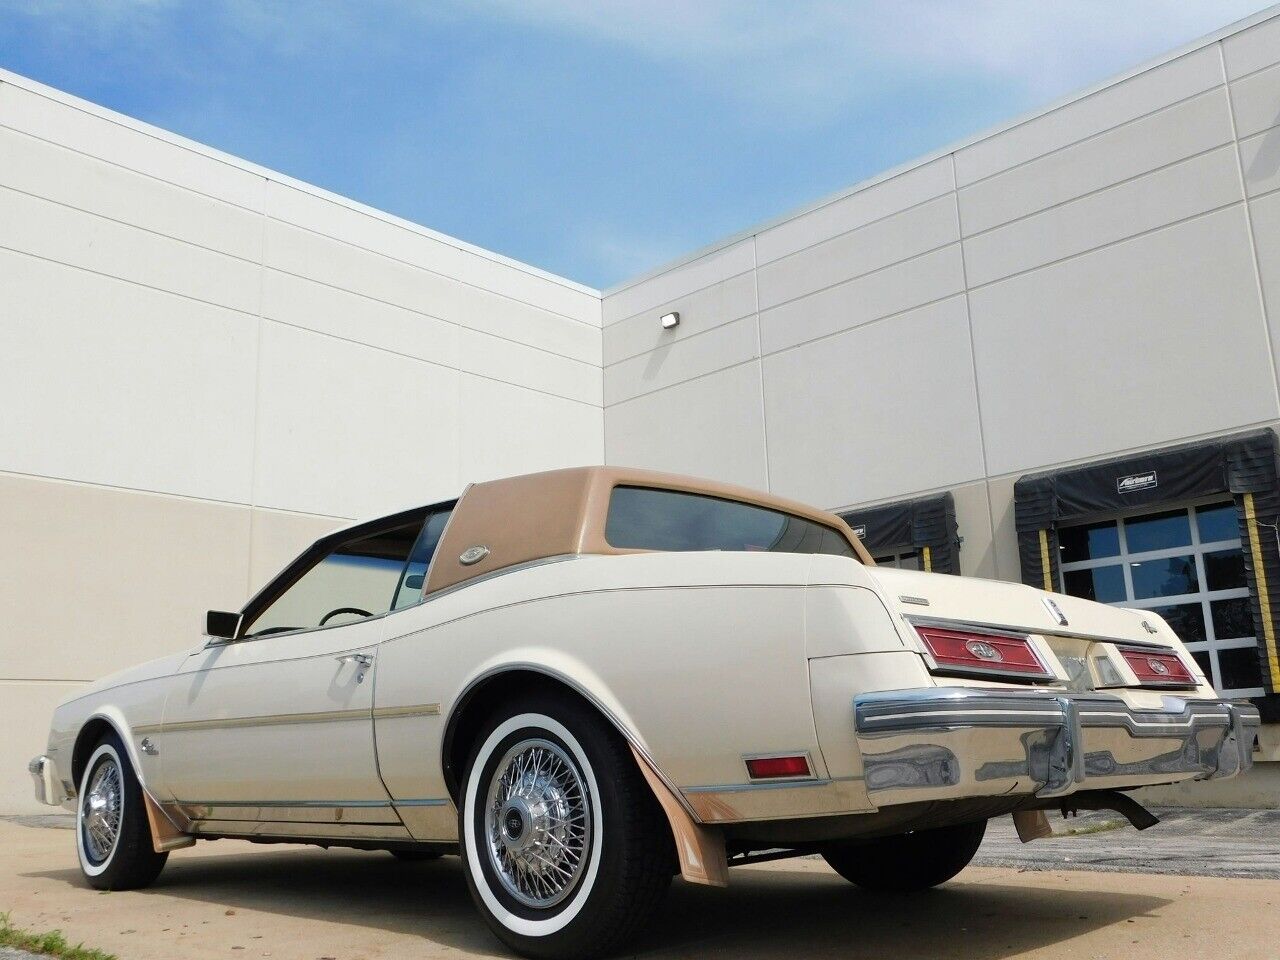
(701, 849)
(437, 821)
(738, 804)
(165, 833)
(1031, 825)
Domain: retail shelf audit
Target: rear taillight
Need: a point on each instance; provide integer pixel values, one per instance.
(974, 653)
(1157, 668)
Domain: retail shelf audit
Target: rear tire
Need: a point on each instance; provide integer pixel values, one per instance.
(909, 861)
(565, 850)
(113, 835)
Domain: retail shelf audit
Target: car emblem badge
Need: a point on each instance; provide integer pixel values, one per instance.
(983, 651)
(1055, 611)
(473, 555)
(1157, 667)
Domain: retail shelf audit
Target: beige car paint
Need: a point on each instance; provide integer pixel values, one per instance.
(698, 658)
(287, 717)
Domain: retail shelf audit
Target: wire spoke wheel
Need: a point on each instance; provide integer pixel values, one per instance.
(537, 823)
(101, 811)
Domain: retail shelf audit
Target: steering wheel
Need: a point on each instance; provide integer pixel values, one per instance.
(333, 613)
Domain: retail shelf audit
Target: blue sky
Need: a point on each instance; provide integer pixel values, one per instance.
(593, 139)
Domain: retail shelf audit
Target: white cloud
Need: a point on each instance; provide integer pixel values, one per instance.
(811, 56)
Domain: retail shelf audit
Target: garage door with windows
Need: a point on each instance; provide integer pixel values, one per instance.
(1188, 532)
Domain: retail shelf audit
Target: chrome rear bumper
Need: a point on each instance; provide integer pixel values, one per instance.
(47, 786)
(952, 742)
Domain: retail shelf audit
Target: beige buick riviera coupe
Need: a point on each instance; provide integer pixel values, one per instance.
(583, 682)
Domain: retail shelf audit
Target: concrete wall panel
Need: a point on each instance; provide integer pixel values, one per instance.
(95, 186)
(679, 281)
(709, 427)
(60, 118)
(525, 366)
(323, 259)
(25, 737)
(1126, 346)
(1256, 100)
(312, 305)
(880, 411)
(399, 240)
(1252, 49)
(933, 276)
(673, 363)
(973, 518)
(1175, 193)
(891, 240)
(855, 209)
(108, 382)
(1265, 217)
(506, 430)
(135, 571)
(700, 311)
(45, 229)
(1138, 147)
(350, 431)
(1109, 107)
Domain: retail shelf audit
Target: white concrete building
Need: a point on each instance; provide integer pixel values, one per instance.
(204, 365)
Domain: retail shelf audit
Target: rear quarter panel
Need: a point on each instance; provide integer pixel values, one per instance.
(699, 656)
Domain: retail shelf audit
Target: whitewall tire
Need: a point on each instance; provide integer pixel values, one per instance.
(565, 850)
(113, 836)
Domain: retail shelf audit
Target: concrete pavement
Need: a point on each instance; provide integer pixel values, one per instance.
(1210, 843)
(233, 899)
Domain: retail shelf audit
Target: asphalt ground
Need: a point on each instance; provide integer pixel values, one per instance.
(1108, 893)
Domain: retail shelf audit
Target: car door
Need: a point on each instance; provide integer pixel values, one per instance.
(272, 732)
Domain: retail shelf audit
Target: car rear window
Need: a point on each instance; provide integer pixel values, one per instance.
(642, 518)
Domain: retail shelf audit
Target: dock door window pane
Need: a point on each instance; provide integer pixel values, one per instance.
(1187, 566)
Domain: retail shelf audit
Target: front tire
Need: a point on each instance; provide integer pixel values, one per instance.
(113, 836)
(909, 861)
(565, 850)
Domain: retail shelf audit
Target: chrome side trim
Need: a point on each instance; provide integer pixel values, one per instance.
(420, 710)
(416, 802)
(426, 802)
(778, 784)
(265, 720)
(300, 831)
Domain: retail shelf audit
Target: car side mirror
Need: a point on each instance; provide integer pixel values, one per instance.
(414, 581)
(221, 624)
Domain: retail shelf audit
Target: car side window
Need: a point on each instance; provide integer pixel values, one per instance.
(414, 575)
(357, 579)
(647, 519)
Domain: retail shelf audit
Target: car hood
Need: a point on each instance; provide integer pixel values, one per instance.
(1000, 603)
(151, 670)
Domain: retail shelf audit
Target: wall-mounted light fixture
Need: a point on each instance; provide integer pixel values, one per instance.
(670, 321)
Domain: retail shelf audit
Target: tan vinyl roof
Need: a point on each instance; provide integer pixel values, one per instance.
(562, 512)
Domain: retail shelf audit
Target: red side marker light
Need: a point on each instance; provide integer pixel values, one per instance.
(765, 768)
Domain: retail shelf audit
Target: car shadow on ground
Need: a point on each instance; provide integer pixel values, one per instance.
(765, 913)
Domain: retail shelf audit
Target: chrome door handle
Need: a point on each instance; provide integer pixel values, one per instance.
(363, 662)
